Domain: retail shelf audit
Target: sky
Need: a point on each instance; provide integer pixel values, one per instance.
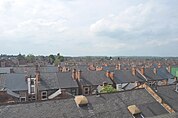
(89, 28)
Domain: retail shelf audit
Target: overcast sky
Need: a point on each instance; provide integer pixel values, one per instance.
(89, 27)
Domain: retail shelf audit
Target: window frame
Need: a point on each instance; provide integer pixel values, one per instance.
(32, 89)
(44, 95)
(23, 98)
(87, 92)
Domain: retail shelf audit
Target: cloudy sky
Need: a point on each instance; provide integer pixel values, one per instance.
(86, 27)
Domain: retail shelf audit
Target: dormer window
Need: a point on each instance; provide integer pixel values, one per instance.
(32, 82)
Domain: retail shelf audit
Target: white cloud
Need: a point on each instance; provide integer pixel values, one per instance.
(78, 27)
(127, 21)
(143, 21)
(37, 27)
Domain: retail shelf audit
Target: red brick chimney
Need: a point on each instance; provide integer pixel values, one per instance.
(133, 71)
(38, 79)
(155, 71)
(79, 75)
(99, 68)
(159, 65)
(59, 68)
(119, 67)
(108, 73)
(111, 75)
(142, 70)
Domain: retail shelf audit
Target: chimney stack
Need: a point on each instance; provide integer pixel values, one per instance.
(59, 68)
(155, 71)
(142, 70)
(133, 71)
(74, 74)
(159, 65)
(99, 68)
(119, 67)
(79, 75)
(107, 73)
(112, 75)
(38, 76)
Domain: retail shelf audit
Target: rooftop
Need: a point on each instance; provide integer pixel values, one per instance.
(105, 106)
(169, 95)
(94, 78)
(125, 76)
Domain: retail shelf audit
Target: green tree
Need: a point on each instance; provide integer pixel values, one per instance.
(20, 57)
(56, 62)
(59, 57)
(108, 89)
(30, 58)
(51, 59)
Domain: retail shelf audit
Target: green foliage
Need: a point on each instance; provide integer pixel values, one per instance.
(21, 57)
(30, 58)
(55, 59)
(108, 89)
(56, 62)
(61, 58)
(51, 59)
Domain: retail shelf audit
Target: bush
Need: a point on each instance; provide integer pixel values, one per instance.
(108, 89)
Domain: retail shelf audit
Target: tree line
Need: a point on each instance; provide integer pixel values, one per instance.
(51, 59)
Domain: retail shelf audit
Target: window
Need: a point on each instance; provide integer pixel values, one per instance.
(32, 89)
(22, 99)
(86, 90)
(33, 98)
(32, 82)
(43, 95)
